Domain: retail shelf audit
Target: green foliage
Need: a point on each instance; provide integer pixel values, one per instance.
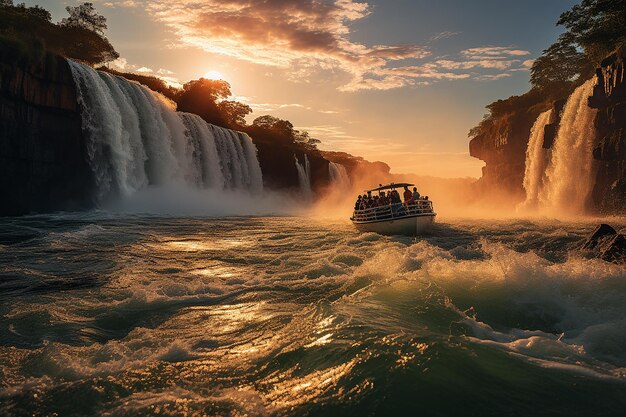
(594, 28)
(32, 26)
(85, 16)
(598, 26)
(202, 96)
(562, 62)
(279, 130)
(234, 112)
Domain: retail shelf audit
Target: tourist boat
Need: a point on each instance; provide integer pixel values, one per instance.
(396, 219)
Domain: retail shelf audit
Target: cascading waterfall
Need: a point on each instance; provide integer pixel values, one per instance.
(569, 176)
(304, 176)
(536, 160)
(135, 138)
(339, 176)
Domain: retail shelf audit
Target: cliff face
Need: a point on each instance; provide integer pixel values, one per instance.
(42, 155)
(279, 169)
(502, 145)
(609, 97)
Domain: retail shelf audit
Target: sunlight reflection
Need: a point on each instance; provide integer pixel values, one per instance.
(201, 245)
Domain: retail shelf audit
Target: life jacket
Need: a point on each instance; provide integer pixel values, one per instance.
(408, 196)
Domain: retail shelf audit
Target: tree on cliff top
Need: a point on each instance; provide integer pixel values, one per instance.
(276, 129)
(70, 38)
(594, 29)
(202, 97)
(85, 16)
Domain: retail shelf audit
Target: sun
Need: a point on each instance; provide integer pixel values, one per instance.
(213, 75)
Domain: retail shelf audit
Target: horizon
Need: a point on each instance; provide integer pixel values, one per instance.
(401, 83)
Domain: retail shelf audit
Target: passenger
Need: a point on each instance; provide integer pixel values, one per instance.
(416, 195)
(408, 196)
(363, 204)
(357, 205)
(396, 197)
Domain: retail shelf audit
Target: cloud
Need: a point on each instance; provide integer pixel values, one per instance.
(443, 35)
(482, 63)
(493, 52)
(300, 38)
(493, 77)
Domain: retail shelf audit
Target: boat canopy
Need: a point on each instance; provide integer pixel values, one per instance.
(391, 186)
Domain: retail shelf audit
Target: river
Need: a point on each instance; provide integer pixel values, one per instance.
(118, 314)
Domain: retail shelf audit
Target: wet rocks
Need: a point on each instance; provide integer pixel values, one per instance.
(607, 244)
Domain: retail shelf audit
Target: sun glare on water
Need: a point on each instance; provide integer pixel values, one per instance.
(214, 75)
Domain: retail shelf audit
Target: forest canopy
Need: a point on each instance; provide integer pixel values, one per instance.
(80, 36)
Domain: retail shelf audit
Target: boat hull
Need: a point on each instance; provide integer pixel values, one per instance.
(409, 226)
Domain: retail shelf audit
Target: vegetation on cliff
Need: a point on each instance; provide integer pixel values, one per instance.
(29, 33)
(594, 28)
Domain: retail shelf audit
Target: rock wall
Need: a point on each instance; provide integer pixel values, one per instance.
(279, 169)
(609, 97)
(502, 145)
(42, 155)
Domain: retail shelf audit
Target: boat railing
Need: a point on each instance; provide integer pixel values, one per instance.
(394, 211)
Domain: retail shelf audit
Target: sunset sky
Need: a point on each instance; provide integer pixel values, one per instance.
(397, 81)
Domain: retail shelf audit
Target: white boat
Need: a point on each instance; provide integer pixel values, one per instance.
(410, 219)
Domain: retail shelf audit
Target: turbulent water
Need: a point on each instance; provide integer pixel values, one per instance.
(119, 315)
(570, 172)
(135, 138)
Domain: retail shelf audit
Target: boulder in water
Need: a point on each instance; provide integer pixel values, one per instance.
(605, 243)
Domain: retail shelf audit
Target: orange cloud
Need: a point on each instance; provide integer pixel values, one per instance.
(304, 36)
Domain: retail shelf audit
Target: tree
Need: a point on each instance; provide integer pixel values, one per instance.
(234, 112)
(274, 124)
(562, 62)
(39, 13)
(6, 3)
(83, 45)
(85, 16)
(202, 96)
(597, 26)
(594, 28)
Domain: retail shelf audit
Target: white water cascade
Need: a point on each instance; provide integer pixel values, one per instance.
(304, 176)
(569, 176)
(339, 176)
(135, 138)
(536, 161)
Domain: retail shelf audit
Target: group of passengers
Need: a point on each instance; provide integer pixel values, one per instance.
(366, 201)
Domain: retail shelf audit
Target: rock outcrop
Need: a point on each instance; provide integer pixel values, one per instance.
(42, 155)
(609, 97)
(605, 243)
(502, 145)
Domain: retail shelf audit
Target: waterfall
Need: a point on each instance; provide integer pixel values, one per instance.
(304, 176)
(569, 176)
(536, 160)
(135, 138)
(338, 176)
